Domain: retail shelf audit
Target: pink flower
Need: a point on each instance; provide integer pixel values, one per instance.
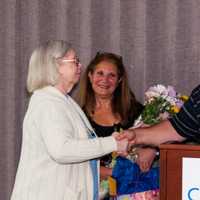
(171, 91)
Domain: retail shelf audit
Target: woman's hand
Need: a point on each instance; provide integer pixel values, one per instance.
(129, 134)
(145, 158)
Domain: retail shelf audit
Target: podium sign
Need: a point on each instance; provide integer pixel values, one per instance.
(179, 172)
(191, 179)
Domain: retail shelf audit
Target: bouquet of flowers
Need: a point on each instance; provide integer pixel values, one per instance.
(160, 103)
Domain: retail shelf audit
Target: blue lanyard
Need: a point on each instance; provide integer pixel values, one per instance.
(93, 165)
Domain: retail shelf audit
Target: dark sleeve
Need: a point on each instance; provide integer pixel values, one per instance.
(187, 121)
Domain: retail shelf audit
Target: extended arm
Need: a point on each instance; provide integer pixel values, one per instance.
(158, 134)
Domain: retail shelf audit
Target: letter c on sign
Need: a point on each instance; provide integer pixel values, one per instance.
(190, 191)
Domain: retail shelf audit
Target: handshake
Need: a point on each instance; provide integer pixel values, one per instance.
(125, 140)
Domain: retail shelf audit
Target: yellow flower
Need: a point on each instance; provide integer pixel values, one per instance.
(175, 109)
(184, 98)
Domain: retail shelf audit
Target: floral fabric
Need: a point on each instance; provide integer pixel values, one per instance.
(147, 195)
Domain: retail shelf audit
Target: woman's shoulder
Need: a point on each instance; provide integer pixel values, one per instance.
(137, 108)
(134, 113)
(139, 105)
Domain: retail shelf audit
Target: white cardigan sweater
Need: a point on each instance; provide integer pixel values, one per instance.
(55, 154)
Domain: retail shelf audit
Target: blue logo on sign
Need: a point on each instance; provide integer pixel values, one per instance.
(190, 193)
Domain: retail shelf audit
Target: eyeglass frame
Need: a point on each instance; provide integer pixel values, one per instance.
(75, 60)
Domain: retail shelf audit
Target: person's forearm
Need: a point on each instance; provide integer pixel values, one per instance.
(158, 134)
(105, 172)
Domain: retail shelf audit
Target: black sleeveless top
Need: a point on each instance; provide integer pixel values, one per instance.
(104, 131)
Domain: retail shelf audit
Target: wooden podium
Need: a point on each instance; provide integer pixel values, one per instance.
(171, 168)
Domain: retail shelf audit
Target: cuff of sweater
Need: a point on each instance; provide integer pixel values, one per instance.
(109, 144)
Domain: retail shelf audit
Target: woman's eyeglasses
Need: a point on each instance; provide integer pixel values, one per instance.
(65, 60)
(75, 60)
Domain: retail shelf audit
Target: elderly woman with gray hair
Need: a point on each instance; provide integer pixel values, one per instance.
(59, 147)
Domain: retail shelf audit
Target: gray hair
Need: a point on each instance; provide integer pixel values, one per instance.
(43, 66)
